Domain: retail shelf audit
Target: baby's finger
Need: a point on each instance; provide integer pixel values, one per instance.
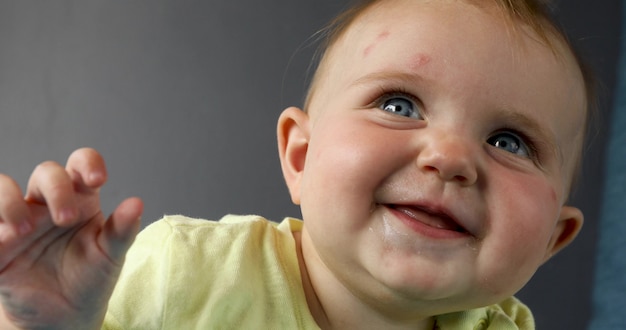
(87, 169)
(52, 186)
(14, 213)
(120, 229)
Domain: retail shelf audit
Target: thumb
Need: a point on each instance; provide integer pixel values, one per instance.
(120, 229)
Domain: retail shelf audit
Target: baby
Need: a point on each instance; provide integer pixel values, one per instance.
(432, 163)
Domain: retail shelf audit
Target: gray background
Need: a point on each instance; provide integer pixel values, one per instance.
(182, 96)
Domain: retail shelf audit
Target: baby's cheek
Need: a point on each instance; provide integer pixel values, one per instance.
(521, 227)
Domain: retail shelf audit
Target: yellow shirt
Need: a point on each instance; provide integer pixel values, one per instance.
(239, 273)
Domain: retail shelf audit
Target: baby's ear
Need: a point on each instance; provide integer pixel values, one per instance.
(567, 228)
(293, 143)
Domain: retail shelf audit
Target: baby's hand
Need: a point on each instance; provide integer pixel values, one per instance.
(59, 256)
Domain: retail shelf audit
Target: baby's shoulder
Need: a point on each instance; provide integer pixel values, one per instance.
(189, 230)
(508, 314)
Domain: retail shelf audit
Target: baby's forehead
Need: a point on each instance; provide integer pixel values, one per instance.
(515, 36)
(373, 25)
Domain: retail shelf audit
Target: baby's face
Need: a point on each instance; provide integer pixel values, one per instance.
(441, 147)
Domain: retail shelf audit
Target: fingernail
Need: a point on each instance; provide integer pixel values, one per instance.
(24, 228)
(95, 177)
(67, 215)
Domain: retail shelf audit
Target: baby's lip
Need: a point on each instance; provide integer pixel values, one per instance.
(432, 215)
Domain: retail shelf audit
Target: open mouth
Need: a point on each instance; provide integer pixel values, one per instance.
(434, 218)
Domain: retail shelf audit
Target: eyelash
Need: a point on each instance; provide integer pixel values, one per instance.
(525, 138)
(389, 93)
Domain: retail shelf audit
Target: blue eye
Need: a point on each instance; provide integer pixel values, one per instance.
(510, 142)
(401, 106)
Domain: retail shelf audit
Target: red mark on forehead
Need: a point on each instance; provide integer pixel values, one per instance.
(418, 61)
(381, 36)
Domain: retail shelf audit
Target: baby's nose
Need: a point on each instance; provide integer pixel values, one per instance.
(450, 156)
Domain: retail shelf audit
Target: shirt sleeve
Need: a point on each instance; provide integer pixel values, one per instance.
(140, 294)
(510, 314)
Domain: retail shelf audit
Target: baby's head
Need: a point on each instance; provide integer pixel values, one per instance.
(435, 156)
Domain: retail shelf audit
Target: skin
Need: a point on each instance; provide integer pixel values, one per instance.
(414, 214)
(383, 195)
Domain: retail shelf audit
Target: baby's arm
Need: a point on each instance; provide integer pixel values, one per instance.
(59, 256)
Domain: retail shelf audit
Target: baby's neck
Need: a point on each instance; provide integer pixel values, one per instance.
(334, 307)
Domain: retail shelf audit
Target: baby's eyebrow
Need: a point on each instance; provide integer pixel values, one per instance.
(388, 76)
